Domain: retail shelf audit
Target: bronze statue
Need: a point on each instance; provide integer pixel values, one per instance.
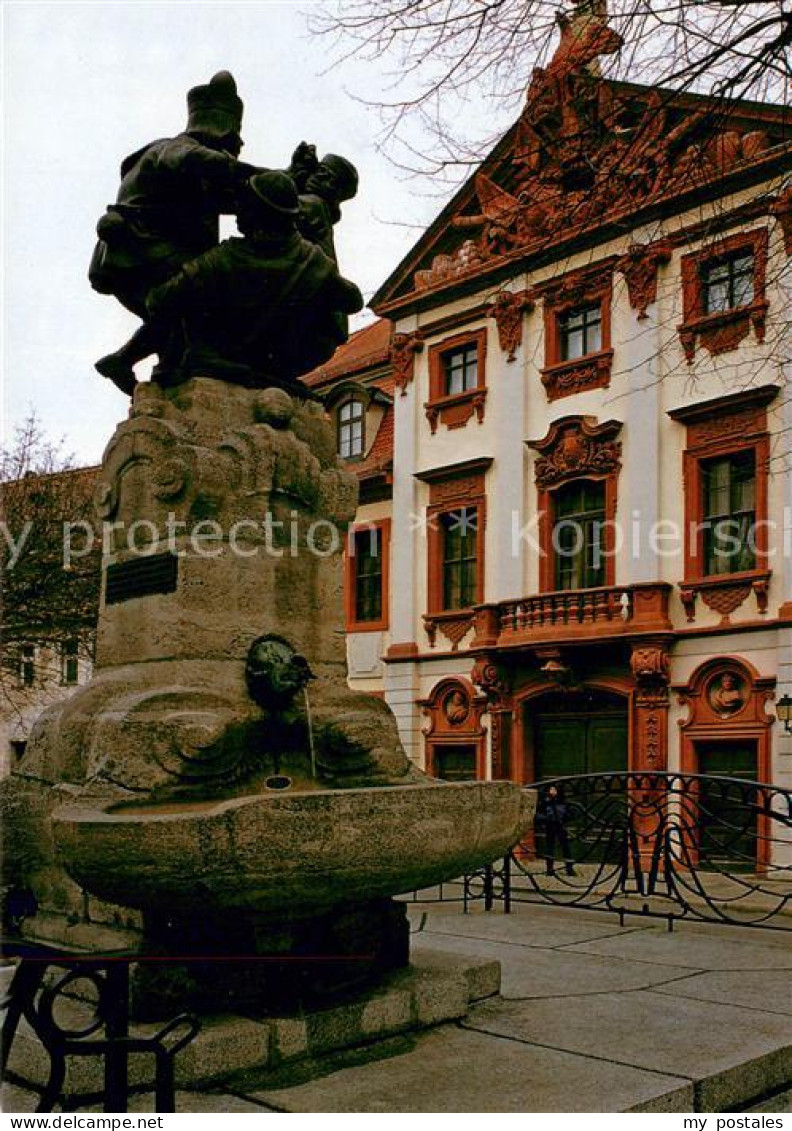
(261, 309)
(258, 310)
(172, 193)
(274, 672)
(327, 186)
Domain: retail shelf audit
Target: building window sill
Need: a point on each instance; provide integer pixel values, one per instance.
(565, 378)
(367, 626)
(725, 593)
(721, 332)
(455, 411)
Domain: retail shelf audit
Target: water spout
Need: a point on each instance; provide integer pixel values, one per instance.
(309, 720)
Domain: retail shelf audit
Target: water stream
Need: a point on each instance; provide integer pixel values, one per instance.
(309, 720)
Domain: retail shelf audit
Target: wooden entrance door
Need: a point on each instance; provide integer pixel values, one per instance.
(728, 825)
(594, 742)
(575, 735)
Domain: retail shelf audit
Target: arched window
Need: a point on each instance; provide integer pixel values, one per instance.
(351, 429)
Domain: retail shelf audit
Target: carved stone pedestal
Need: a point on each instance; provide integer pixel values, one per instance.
(259, 831)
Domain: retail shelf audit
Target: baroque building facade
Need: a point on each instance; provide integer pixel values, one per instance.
(572, 425)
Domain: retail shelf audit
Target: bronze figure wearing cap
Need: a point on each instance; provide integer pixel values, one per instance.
(264, 308)
(172, 193)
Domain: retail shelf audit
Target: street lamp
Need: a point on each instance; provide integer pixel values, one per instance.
(784, 712)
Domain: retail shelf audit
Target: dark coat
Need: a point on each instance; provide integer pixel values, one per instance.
(265, 306)
(171, 196)
(553, 812)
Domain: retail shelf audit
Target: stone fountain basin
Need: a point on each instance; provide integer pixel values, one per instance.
(296, 853)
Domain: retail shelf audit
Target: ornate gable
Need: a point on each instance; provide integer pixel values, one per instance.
(576, 446)
(584, 151)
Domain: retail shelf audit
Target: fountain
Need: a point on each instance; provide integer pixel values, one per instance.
(217, 794)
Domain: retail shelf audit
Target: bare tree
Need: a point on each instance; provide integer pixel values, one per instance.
(49, 599)
(451, 56)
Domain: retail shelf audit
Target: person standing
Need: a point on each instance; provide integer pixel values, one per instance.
(555, 813)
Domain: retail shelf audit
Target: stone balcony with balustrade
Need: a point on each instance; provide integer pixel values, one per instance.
(575, 615)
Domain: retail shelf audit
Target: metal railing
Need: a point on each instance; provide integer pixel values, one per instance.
(97, 989)
(670, 845)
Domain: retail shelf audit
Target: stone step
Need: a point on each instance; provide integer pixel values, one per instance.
(435, 988)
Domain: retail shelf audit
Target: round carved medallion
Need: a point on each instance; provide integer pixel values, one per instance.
(727, 694)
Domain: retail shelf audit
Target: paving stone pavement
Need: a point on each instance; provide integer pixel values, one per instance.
(592, 1017)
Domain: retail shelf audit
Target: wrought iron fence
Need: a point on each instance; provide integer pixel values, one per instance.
(670, 845)
(485, 886)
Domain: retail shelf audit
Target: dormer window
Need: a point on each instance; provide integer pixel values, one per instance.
(351, 429)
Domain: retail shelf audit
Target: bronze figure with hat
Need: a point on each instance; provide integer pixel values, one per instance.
(172, 193)
(158, 253)
(263, 308)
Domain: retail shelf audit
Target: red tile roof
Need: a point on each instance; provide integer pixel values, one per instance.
(380, 456)
(366, 348)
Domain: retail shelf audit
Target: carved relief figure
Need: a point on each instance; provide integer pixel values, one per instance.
(576, 446)
(584, 149)
(456, 708)
(403, 349)
(726, 694)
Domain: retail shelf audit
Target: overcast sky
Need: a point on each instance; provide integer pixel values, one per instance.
(87, 83)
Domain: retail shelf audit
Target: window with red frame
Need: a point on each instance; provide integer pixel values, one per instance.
(367, 577)
(580, 332)
(457, 386)
(724, 293)
(577, 321)
(460, 557)
(460, 370)
(726, 483)
(578, 549)
(727, 283)
(729, 512)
